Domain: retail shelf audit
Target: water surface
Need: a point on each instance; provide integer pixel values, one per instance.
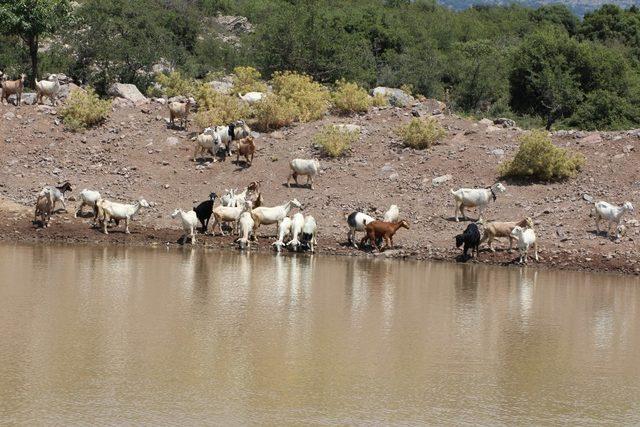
(126, 335)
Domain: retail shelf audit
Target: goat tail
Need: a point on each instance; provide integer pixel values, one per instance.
(453, 192)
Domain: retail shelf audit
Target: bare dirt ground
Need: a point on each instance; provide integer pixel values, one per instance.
(135, 155)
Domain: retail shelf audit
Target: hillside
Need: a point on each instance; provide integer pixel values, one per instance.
(579, 7)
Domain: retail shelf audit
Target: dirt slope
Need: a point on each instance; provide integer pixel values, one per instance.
(135, 155)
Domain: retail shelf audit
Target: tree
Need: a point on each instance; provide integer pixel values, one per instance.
(31, 20)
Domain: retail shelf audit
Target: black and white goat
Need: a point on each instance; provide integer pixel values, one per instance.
(470, 239)
(57, 194)
(204, 211)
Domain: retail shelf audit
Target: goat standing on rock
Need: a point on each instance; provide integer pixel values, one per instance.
(475, 197)
(380, 229)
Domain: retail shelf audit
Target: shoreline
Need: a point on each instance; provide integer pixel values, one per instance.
(70, 231)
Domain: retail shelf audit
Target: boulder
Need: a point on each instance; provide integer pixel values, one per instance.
(221, 86)
(504, 122)
(397, 97)
(127, 91)
(65, 90)
(29, 98)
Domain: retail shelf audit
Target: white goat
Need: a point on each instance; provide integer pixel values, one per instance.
(111, 210)
(284, 230)
(357, 222)
(245, 229)
(208, 143)
(267, 216)
(309, 233)
(252, 97)
(229, 214)
(189, 223)
(392, 214)
(48, 88)
(475, 197)
(87, 198)
(526, 238)
(179, 110)
(303, 167)
(296, 228)
(230, 132)
(611, 213)
(229, 198)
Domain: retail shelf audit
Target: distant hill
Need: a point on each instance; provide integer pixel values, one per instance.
(579, 7)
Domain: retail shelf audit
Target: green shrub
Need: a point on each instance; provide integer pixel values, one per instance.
(334, 141)
(379, 100)
(350, 98)
(538, 158)
(84, 109)
(247, 79)
(215, 108)
(311, 99)
(274, 112)
(173, 84)
(419, 133)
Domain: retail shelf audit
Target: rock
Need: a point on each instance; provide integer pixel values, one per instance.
(65, 90)
(348, 127)
(627, 149)
(29, 98)
(221, 86)
(441, 179)
(492, 128)
(498, 152)
(591, 139)
(386, 168)
(172, 140)
(505, 122)
(487, 122)
(10, 115)
(587, 198)
(394, 176)
(397, 97)
(162, 66)
(127, 91)
(618, 157)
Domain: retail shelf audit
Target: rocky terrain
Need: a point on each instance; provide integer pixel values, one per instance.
(134, 154)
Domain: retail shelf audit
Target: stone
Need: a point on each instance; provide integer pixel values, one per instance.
(394, 176)
(127, 91)
(594, 138)
(440, 180)
(498, 152)
(587, 198)
(397, 97)
(221, 86)
(29, 98)
(492, 128)
(505, 122)
(172, 140)
(348, 127)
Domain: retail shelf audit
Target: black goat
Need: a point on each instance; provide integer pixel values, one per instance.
(204, 211)
(470, 238)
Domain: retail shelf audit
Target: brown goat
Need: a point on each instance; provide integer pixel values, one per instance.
(179, 110)
(376, 230)
(495, 229)
(10, 87)
(246, 148)
(44, 209)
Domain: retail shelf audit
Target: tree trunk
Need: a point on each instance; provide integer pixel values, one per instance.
(33, 54)
(550, 121)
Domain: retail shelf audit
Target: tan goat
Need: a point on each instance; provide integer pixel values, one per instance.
(10, 87)
(44, 209)
(179, 110)
(495, 229)
(246, 148)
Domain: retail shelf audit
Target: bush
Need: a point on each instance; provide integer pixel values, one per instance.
(84, 109)
(311, 99)
(274, 112)
(379, 100)
(350, 98)
(215, 109)
(421, 134)
(173, 84)
(538, 158)
(247, 79)
(335, 141)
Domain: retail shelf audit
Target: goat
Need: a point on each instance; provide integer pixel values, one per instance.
(380, 229)
(111, 210)
(392, 214)
(495, 229)
(284, 230)
(245, 228)
(304, 167)
(246, 148)
(57, 193)
(251, 97)
(229, 198)
(231, 132)
(273, 215)
(611, 213)
(228, 214)
(475, 197)
(471, 240)
(296, 228)
(88, 198)
(11, 87)
(526, 238)
(179, 110)
(357, 221)
(309, 232)
(48, 88)
(189, 223)
(209, 143)
(204, 210)
(44, 209)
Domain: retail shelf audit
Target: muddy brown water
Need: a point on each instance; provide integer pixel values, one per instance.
(94, 335)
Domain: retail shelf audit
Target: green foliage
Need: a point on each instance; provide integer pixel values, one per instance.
(603, 109)
(273, 112)
(216, 108)
(311, 99)
(420, 133)
(247, 79)
(84, 109)
(537, 158)
(174, 84)
(350, 98)
(379, 100)
(334, 142)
